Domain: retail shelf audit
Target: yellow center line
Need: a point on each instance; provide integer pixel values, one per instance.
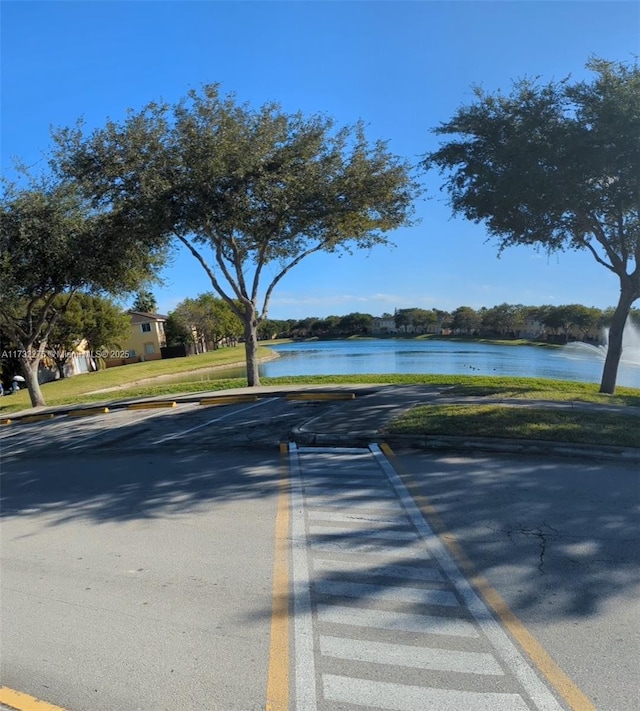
(23, 702)
(278, 674)
(535, 651)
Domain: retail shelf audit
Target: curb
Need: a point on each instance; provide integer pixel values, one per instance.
(468, 444)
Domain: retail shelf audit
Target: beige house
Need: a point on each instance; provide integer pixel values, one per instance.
(147, 336)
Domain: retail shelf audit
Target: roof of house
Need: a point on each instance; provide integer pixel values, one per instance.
(139, 316)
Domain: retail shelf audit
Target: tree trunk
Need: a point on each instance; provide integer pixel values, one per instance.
(30, 372)
(60, 366)
(614, 345)
(251, 347)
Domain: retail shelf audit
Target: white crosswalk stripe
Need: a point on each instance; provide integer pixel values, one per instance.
(383, 593)
(381, 568)
(384, 619)
(388, 533)
(401, 697)
(418, 657)
(396, 621)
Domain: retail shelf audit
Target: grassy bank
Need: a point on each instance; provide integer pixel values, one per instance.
(135, 380)
(573, 426)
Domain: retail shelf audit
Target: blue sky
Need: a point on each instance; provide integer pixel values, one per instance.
(402, 67)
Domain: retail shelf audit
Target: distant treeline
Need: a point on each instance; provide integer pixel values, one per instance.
(549, 323)
(206, 322)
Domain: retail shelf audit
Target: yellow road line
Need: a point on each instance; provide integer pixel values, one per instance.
(535, 651)
(320, 396)
(228, 399)
(37, 418)
(278, 674)
(151, 405)
(23, 702)
(88, 412)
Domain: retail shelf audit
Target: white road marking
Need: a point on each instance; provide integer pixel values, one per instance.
(362, 518)
(305, 674)
(386, 593)
(130, 421)
(506, 649)
(332, 450)
(370, 505)
(377, 567)
(360, 487)
(388, 534)
(404, 552)
(431, 658)
(400, 697)
(182, 433)
(346, 568)
(396, 621)
(348, 493)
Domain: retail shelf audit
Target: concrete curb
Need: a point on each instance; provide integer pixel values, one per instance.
(466, 444)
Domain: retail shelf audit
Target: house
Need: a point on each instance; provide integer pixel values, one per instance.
(383, 324)
(147, 336)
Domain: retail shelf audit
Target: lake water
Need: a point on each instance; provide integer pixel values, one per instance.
(356, 357)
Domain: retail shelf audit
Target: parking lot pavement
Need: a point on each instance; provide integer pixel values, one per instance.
(131, 581)
(253, 425)
(558, 539)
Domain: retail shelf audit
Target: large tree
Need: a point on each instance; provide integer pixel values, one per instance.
(556, 166)
(466, 320)
(53, 244)
(249, 192)
(208, 320)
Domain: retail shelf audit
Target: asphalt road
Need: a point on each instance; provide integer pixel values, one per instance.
(137, 564)
(132, 582)
(559, 539)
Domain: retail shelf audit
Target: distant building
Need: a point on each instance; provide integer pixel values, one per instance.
(383, 324)
(532, 328)
(147, 335)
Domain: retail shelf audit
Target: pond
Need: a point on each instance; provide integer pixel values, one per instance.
(357, 357)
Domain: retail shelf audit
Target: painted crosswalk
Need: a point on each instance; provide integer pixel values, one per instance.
(383, 618)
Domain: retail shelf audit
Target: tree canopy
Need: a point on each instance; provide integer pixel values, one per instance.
(53, 244)
(555, 166)
(94, 320)
(249, 192)
(206, 321)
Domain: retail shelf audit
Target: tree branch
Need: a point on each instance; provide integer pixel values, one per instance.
(220, 258)
(237, 263)
(35, 331)
(256, 276)
(621, 237)
(618, 265)
(597, 257)
(16, 331)
(210, 273)
(291, 265)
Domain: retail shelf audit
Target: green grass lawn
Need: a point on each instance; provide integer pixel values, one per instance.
(79, 389)
(531, 423)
